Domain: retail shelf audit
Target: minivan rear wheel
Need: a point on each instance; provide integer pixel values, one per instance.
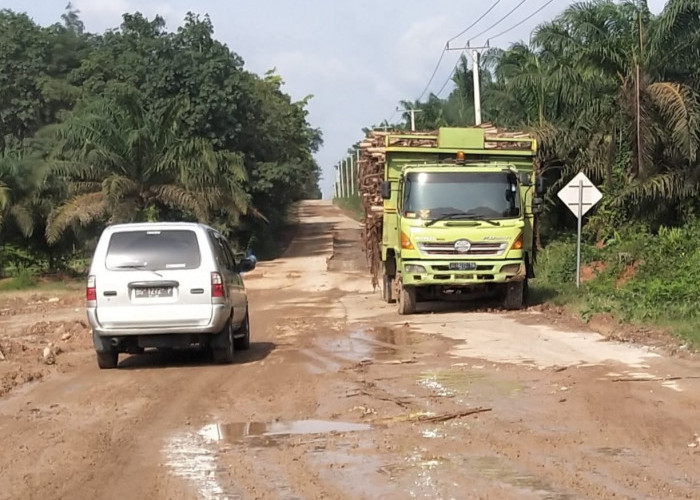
(107, 360)
(224, 354)
(242, 343)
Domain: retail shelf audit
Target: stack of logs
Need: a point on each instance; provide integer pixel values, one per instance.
(370, 177)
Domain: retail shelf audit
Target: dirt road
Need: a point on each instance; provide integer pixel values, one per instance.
(341, 398)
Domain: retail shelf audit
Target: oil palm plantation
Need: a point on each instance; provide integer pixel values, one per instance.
(632, 97)
(125, 162)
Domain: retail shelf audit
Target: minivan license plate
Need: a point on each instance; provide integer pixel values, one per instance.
(462, 266)
(149, 293)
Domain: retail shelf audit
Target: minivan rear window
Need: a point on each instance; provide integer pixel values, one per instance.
(153, 250)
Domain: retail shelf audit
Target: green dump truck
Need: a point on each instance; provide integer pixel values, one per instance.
(450, 214)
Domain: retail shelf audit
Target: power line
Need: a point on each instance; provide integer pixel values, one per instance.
(449, 77)
(442, 54)
(474, 23)
(522, 21)
(437, 66)
(499, 21)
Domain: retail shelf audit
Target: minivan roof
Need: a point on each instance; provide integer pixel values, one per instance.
(155, 226)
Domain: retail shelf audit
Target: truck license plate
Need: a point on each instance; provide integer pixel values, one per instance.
(462, 266)
(150, 293)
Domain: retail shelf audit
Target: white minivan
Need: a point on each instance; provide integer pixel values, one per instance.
(166, 285)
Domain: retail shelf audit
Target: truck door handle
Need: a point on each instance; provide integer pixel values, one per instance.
(197, 291)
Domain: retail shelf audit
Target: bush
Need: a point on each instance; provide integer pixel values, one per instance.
(641, 277)
(22, 279)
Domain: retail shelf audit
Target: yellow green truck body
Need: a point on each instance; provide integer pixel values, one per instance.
(458, 216)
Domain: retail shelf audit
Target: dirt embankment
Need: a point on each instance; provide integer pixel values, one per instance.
(40, 334)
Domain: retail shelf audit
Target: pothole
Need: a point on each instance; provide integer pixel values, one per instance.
(236, 432)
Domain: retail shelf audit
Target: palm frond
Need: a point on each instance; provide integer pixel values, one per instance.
(181, 198)
(82, 209)
(679, 107)
(24, 219)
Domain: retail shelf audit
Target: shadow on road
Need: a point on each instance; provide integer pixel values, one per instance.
(190, 358)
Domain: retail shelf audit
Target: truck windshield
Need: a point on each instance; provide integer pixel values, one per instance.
(430, 195)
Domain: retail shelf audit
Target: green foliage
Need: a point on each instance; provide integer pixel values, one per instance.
(642, 277)
(352, 205)
(21, 280)
(140, 123)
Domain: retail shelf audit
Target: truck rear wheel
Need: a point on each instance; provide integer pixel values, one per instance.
(387, 285)
(515, 293)
(407, 299)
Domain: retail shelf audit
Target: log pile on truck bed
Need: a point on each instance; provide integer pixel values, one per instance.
(371, 175)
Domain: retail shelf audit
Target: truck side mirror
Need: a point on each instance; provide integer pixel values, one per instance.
(524, 178)
(540, 188)
(386, 190)
(537, 206)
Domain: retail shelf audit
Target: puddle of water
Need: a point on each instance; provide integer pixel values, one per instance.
(237, 431)
(494, 468)
(190, 458)
(450, 383)
(355, 348)
(393, 336)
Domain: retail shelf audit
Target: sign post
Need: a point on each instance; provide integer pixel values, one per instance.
(580, 195)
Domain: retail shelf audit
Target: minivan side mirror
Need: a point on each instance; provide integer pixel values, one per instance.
(246, 265)
(386, 190)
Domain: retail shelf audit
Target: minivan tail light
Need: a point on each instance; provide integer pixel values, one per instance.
(217, 285)
(91, 290)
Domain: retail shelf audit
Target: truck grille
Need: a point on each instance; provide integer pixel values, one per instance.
(448, 248)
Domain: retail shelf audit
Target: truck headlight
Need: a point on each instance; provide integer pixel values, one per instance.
(414, 269)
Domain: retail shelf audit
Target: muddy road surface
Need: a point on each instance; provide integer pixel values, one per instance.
(341, 398)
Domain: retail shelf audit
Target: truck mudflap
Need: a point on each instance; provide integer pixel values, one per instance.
(461, 273)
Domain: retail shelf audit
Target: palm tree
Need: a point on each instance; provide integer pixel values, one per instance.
(126, 163)
(21, 178)
(629, 91)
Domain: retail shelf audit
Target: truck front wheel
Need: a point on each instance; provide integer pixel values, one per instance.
(407, 299)
(515, 293)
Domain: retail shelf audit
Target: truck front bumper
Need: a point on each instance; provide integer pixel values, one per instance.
(442, 272)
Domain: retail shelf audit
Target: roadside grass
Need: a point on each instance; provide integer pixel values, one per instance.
(637, 277)
(351, 206)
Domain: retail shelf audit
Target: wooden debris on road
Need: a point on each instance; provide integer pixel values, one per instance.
(443, 417)
(653, 379)
(425, 417)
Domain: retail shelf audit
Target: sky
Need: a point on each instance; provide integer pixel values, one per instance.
(357, 58)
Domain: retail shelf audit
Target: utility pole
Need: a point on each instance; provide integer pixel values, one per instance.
(477, 88)
(357, 166)
(337, 182)
(413, 112)
(352, 176)
(477, 80)
(340, 179)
